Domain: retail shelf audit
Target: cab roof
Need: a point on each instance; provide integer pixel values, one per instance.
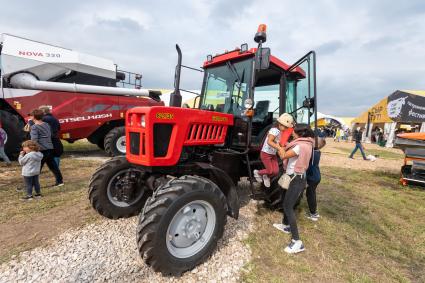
(237, 54)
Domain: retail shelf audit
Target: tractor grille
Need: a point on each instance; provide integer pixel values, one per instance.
(162, 135)
(205, 133)
(134, 143)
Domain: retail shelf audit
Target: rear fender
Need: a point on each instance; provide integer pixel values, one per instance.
(226, 185)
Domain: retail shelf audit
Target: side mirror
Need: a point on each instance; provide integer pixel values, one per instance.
(262, 58)
(308, 103)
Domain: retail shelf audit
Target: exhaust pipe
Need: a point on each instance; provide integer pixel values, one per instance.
(175, 97)
(29, 81)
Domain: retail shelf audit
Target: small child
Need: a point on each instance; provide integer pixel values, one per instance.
(270, 148)
(30, 158)
(3, 139)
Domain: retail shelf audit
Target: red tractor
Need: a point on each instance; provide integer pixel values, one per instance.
(183, 165)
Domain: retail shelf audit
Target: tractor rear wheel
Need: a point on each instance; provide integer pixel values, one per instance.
(114, 142)
(15, 133)
(118, 189)
(181, 224)
(274, 195)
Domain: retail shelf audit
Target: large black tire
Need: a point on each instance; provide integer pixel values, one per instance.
(101, 144)
(168, 202)
(274, 195)
(108, 184)
(15, 133)
(113, 142)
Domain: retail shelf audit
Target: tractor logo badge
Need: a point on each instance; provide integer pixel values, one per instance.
(164, 116)
(219, 119)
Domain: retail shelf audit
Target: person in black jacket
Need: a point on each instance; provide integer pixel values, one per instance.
(55, 128)
(357, 137)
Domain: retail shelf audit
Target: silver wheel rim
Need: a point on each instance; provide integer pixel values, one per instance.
(120, 144)
(191, 229)
(113, 199)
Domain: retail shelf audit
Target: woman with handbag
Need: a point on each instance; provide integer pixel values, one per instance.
(296, 156)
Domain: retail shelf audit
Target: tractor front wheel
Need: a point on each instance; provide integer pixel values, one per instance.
(118, 189)
(181, 224)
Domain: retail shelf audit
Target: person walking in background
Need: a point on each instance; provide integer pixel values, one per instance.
(337, 135)
(270, 147)
(41, 134)
(30, 159)
(342, 134)
(297, 156)
(3, 139)
(55, 127)
(357, 137)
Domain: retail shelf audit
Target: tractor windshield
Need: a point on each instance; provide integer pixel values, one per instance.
(227, 87)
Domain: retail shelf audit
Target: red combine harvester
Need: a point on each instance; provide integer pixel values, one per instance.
(80, 89)
(182, 165)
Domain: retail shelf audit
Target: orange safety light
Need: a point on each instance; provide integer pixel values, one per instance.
(262, 28)
(261, 35)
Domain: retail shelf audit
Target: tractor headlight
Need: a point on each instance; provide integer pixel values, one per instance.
(142, 121)
(248, 103)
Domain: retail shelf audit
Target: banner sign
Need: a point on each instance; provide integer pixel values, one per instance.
(406, 107)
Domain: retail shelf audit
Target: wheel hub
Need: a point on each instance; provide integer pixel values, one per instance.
(120, 144)
(190, 229)
(125, 188)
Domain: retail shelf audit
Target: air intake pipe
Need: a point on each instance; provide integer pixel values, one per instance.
(29, 81)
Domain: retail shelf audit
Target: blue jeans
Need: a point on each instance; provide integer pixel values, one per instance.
(32, 182)
(358, 146)
(3, 155)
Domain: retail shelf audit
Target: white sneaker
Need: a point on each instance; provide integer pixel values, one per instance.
(257, 176)
(295, 247)
(313, 217)
(266, 180)
(282, 227)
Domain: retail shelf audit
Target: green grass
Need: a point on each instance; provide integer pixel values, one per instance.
(371, 230)
(76, 176)
(79, 146)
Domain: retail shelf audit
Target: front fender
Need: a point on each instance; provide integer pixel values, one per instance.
(226, 185)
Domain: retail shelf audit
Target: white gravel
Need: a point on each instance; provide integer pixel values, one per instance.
(107, 251)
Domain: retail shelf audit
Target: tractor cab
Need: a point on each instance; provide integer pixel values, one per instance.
(256, 87)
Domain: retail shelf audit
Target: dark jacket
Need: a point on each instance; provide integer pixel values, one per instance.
(55, 126)
(313, 171)
(357, 136)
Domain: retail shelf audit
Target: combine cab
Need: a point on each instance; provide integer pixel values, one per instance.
(182, 165)
(80, 89)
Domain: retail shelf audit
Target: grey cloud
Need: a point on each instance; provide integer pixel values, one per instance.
(329, 47)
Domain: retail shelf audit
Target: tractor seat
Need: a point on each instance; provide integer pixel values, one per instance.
(261, 111)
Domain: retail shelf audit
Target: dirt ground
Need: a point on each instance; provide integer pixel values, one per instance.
(335, 154)
(25, 225)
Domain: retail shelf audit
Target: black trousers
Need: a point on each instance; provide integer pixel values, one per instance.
(296, 188)
(311, 197)
(48, 158)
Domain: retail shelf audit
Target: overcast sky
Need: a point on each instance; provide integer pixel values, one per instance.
(365, 49)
